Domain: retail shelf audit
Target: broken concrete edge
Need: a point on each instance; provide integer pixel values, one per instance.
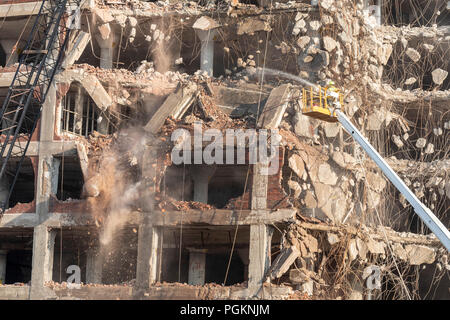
(393, 236)
(275, 107)
(175, 105)
(90, 83)
(158, 292)
(80, 43)
(219, 217)
(283, 261)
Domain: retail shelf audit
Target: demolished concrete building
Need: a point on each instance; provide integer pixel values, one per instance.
(100, 198)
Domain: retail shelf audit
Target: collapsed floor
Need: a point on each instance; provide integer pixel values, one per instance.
(105, 196)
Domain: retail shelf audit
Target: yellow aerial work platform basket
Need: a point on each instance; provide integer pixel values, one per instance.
(316, 104)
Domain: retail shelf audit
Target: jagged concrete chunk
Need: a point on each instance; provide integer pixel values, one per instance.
(329, 43)
(310, 200)
(413, 54)
(439, 76)
(301, 275)
(398, 142)
(103, 15)
(303, 41)
(352, 250)
(326, 4)
(105, 31)
(375, 181)
(295, 186)
(175, 106)
(332, 238)
(275, 107)
(283, 261)
(429, 149)
(410, 81)
(420, 254)
(297, 165)
(252, 25)
(331, 129)
(375, 247)
(205, 23)
(326, 175)
(421, 142)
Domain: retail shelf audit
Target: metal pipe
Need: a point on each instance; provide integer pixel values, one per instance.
(420, 209)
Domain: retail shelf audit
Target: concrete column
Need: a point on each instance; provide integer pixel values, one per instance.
(107, 45)
(54, 174)
(94, 266)
(149, 253)
(3, 254)
(201, 175)
(43, 237)
(260, 235)
(42, 266)
(8, 46)
(207, 50)
(244, 255)
(106, 57)
(197, 267)
(259, 256)
(374, 10)
(206, 30)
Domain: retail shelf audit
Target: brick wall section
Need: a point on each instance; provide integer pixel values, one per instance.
(276, 197)
(15, 1)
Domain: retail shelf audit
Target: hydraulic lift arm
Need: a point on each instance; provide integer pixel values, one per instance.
(320, 104)
(420, 209)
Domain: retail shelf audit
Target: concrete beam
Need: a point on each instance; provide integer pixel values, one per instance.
(221, 217)
(217, 217)
(149, 253)
(160, 292)
(19, 220)
(84, 161)
(14, 292)
(174, 106)
(201, 176)
(90, 83)
(30, 8)
(7, 77)
(56, 220)
(94, 266)
(78, 45)
(53, 147)
(95, 89)
(207, 50)
(20, 9)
